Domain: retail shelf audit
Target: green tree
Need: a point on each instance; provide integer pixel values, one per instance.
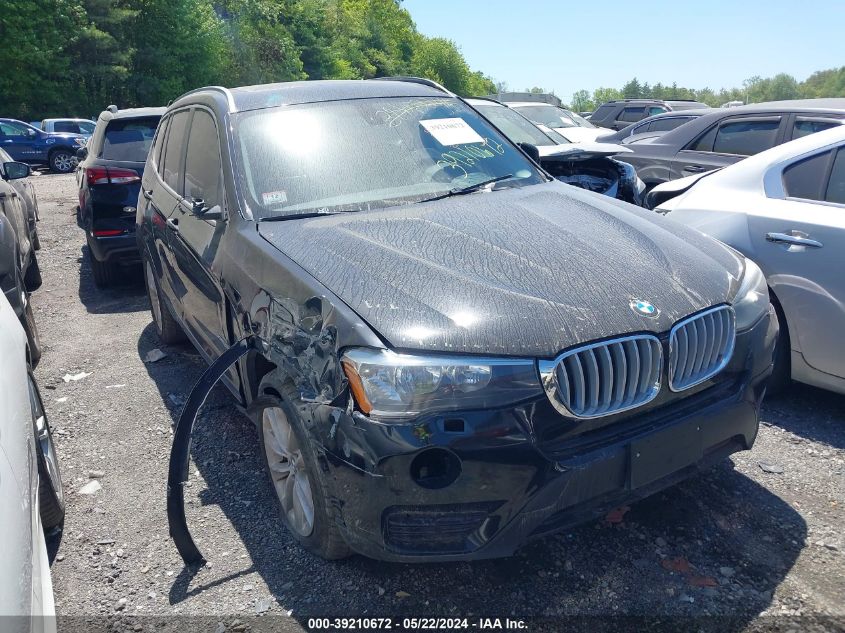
(581, 101)
(603, 95)
(632, 89)
(439, 59)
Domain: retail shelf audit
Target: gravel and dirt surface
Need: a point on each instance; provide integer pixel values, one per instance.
(758, 536)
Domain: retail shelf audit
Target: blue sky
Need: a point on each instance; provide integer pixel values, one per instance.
(565, 46)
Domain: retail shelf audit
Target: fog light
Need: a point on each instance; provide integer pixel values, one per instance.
(435, 468)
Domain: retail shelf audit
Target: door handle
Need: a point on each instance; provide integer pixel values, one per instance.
(148, 193)
(173, 224)
(694, 169)
(793, 240)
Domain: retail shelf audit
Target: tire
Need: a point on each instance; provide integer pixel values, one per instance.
(35, 240)
(167, 327)
(324, 538)
(781, 376)
(62, 161)
(33, 339)
(105, 273)
(50, 491)
(32, 278)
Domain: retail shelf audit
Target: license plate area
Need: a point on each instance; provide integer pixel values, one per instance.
(663, 453)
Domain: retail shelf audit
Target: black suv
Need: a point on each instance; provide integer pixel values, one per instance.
(109, 181)
(618, 114)
(450, 351)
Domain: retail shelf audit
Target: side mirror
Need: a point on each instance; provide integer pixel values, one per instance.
(16, 171)
(82, 153)
(31, 133)
(531, 150)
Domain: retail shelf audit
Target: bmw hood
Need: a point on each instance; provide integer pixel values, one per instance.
(519, 272)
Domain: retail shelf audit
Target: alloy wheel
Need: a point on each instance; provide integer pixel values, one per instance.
(288, 471)
(45, 441)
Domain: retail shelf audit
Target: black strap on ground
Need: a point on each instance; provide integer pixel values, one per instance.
(177, 473)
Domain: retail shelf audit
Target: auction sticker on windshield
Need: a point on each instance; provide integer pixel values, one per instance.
(454, 131)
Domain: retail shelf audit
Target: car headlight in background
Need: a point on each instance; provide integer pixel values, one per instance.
(392, 386)
(752, 298)
(81, 141)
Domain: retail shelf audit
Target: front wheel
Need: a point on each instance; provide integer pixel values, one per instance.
(782, 372)
(32, 278)
(298, 484)
(50, 493)
(62, 161)
(105, 273)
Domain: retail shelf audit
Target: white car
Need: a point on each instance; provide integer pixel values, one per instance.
(31, 498)
(785, 209)
(573, 127)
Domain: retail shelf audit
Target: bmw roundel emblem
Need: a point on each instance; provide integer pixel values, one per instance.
(644, 308)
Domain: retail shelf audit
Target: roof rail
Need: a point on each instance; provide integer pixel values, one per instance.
(230, 100)
(417, 80)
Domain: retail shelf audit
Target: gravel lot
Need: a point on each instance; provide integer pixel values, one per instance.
(756, 537)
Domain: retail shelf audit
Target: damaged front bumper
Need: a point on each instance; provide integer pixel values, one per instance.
(480, 484)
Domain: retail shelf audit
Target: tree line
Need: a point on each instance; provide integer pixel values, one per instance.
(824, 83)
(75, 57)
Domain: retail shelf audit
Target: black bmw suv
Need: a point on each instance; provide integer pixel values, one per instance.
(452, 352)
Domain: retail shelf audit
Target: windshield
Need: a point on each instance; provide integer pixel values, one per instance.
(516, 127)
(547, 115)
(360, 154)
(578, 119)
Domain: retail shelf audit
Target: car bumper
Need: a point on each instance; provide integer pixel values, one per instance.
(515, 480)
(119, 248)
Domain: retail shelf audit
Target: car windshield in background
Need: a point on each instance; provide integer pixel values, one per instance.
(516, 127)
(577, 119)
(361, 154)
(129, 139)
(547, 115)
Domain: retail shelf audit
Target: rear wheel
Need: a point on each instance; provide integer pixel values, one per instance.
(50, 492)
(62, 161)
(105, 273)
(292, 465)
(32, 278)
(169, 330)
(35, 240)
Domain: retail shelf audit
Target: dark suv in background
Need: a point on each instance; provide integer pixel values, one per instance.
(618, 114)
(109, 179)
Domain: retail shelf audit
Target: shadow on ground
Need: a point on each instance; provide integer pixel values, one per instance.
(809, 412)
(717, 544)
(128, 294)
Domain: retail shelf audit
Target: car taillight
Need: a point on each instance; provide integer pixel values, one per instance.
(111, 175)
(123, 176)
(97, 175)
(107, 232)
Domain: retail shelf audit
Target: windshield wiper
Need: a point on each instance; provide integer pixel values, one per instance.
(296, 216)
(460, 191)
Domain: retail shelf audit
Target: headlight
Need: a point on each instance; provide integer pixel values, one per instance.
(752, 298)
(394, 386)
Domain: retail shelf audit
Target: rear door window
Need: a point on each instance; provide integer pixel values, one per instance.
(158, 144)
(804, 126)
(632, 114)
(129, 139)
(202, 163)
(805, 179)
(668, 123)
(67, 126)
(174, 150)
(836, 185)
(656, 110)
(603, 112)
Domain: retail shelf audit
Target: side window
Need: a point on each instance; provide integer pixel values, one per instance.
(746, 138)
(803, 127)
(656, 110)
(158, 144)
(805, 178)
(66, 126)
(202, 163)
(173, 151)
(632, 114)
(639, 129)
(836, 185)
(11, 129)
(668, 123)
